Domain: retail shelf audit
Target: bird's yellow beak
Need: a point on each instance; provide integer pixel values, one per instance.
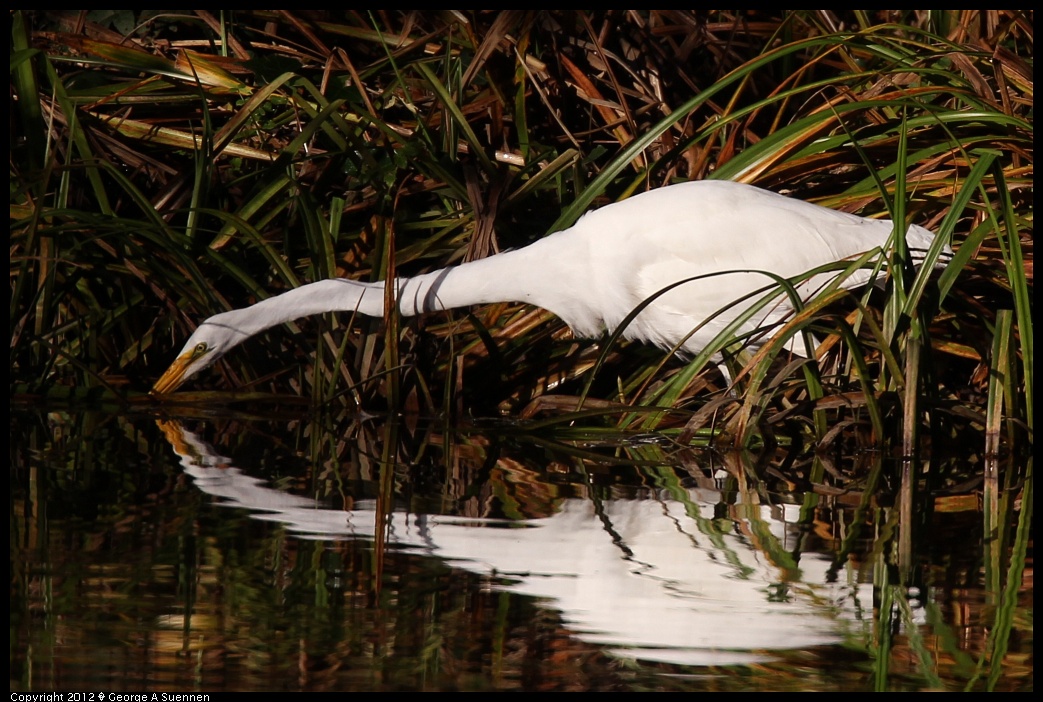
(183, 366)
(174, 376)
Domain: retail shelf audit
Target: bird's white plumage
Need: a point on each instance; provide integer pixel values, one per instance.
(694, 229)
(595, 273)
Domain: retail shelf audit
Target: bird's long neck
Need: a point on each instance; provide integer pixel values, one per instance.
(531, 275)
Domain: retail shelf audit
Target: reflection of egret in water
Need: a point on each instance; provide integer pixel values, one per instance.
(655, 579)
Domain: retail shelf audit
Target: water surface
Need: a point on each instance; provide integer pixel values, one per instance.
(233, 554)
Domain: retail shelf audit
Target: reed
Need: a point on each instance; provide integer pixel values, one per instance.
(166, 167)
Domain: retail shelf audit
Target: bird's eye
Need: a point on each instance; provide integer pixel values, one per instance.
(200, 348)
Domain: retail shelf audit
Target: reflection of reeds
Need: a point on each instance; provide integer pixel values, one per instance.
(115, 549)
(163, 176)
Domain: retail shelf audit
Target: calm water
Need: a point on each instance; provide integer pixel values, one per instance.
(214, 554)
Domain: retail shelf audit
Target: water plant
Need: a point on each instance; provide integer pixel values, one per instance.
(166, 167)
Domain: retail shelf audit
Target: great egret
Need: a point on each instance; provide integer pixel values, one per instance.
(595, 273)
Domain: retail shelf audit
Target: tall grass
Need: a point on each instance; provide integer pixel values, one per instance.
(167, 167)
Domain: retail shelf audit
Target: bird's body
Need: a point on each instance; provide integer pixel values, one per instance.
(597, 272)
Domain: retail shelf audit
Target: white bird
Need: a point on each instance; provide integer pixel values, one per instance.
(598, 271)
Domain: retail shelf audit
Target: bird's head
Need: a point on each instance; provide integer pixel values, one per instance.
(209, 342)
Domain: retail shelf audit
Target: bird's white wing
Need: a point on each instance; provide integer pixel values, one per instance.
(704, 231)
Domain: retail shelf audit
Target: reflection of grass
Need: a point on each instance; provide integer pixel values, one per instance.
(142, 564)
(166, 168)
